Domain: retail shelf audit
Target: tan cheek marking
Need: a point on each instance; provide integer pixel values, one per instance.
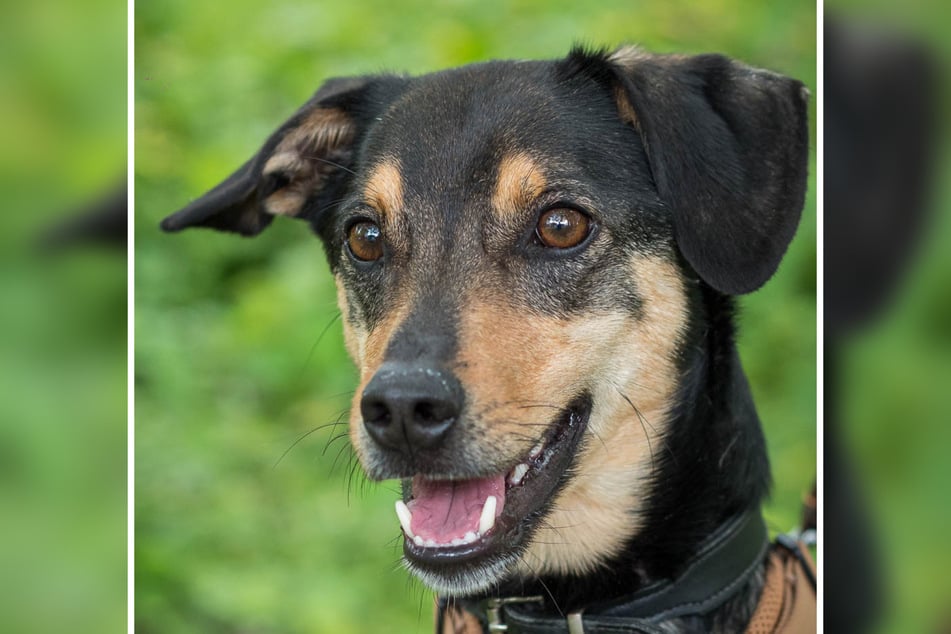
(368, 349)
(519, 369)
(597, 512)
(354, 336)
(501, 354)
(519, 181)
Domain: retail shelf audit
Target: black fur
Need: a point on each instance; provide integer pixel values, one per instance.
(728, 150)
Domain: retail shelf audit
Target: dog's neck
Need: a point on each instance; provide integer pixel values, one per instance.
(713, 466)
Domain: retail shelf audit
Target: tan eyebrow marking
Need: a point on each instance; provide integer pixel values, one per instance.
(519, 181)
(384, 190)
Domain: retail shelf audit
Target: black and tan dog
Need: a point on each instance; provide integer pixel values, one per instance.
(535, 263)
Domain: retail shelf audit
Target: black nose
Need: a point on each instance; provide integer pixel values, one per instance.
(408, 406)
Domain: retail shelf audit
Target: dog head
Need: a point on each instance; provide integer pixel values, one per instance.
(517, 246)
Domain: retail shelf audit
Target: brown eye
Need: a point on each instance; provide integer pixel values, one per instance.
(562, 228)
(365, 241)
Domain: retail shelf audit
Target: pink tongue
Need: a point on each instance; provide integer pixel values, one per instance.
(444, 510)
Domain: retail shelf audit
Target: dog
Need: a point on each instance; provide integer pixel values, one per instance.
(536, 263)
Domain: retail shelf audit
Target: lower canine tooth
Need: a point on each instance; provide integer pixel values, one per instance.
(406, 518)
(418, 540)
(487, 519)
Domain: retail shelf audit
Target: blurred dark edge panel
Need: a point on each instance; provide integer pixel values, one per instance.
(880, 93)
(879, 137)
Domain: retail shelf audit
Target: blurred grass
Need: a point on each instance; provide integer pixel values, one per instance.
(231, 368)
(62, 323)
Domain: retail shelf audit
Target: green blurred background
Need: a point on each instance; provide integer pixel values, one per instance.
(249, 517)
(63, 376)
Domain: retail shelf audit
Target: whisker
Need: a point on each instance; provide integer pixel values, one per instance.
(354, 466)
(339, 436)
(336, 436)
(337, 165)
(319, 337)
(642, 420)
(306, 434)
(725, 452)
(538, 577)
(340, 452)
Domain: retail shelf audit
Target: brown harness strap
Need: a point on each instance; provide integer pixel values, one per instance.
(455, 620)
(788, 602)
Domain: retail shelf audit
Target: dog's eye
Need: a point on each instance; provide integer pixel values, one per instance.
(365, 241)
(562, 228)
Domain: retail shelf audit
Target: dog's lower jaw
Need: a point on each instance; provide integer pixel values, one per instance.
(465, 583)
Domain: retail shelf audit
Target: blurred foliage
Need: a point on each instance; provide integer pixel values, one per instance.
(63, 378)
(250, 513)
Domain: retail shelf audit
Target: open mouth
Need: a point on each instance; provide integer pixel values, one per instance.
(449, 524)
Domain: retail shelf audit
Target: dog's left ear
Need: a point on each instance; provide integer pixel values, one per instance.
(728, 146)
(303, 162)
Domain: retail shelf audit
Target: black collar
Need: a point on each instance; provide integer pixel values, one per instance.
(724, 562)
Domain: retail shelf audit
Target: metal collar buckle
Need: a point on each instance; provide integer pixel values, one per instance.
(493, 613)
(493, 610)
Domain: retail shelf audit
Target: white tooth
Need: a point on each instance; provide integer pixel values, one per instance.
(469, 537)
(457, 542)
(537, 449)
(518, 473)
(487, 519)
(418, 540)
(406, 518)
(430, 543)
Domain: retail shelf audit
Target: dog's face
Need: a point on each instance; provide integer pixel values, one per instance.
(517, 247)
(509, 282)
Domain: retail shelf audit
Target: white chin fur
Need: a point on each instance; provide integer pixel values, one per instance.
(465, 583)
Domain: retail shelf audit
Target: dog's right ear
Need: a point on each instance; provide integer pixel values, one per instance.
(306, 157)
(728, 150)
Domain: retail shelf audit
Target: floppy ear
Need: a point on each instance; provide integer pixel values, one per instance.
(300, 162)
(728, 147)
